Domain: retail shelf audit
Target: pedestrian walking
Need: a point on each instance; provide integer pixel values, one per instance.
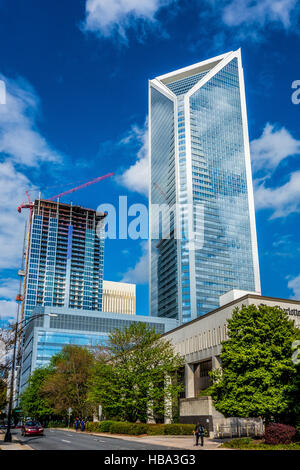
(199, 432)
(76, 424)
(82, 425)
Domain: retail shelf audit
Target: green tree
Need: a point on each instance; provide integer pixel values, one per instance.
(258, 377)
(136, 376)
(66, 387)
(32, 401)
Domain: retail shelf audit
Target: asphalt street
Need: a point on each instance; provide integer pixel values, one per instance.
(64, 440)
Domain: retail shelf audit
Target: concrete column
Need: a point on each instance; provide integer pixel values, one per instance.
(150, 419)
(189, 381)
(168, 404)
(216, 363)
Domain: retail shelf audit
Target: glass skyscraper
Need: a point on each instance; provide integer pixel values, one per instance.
(200, 165)
(64, 262)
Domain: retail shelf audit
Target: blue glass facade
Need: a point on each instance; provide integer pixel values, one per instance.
(164, 258)
(45, 336)
(65, 258)
(211, 185)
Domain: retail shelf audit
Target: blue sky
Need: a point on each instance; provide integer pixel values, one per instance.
(76, 76)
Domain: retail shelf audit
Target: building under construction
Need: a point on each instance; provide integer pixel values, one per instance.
(64, 257)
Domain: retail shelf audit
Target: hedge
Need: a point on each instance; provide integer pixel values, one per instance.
(56, 424)
(156, 429)
(122, 427)
(179, 429)
(102, 426)
(128, 428)
(246, 443)
(240, 443)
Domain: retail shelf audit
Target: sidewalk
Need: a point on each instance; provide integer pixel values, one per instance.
(180, 442)
(14, 445)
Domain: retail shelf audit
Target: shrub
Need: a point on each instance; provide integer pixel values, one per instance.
(277, 433)
(128, 428)
(297, 426)
(240, 443)
(136, 429)
(100, 426)
(205, 393)
(104, 426)
(156, 429)
(178, 429)
(93, 427)
(56, 424)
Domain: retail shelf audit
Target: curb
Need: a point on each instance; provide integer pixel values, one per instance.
(16, 441)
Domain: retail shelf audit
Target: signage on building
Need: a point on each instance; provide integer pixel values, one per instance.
(290, 311)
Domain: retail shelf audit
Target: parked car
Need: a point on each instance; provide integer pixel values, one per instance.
(32, 428)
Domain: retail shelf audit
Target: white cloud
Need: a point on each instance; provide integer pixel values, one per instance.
(107, 17)
(283, 200)
(12, 192)
(8, 310)
(136, 177)
(9, 288)
(294, 285)
(274, 145)
(139, 273)
(19, 136)
(20, 144)
(236, 21)
(259, 12)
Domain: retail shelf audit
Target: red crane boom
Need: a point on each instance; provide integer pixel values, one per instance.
(30, 204)
(26, 205)
(81, 186)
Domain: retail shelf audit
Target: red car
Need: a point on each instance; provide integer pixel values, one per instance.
(32, 428)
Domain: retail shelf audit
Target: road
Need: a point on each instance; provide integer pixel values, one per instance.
(66, 440)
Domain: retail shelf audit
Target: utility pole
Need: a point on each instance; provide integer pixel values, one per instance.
(7, 437)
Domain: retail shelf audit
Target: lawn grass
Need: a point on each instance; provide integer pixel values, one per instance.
(246, 443)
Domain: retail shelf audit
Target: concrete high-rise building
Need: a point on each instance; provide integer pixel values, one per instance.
(64, 261)
(200, 164)
(118, 297)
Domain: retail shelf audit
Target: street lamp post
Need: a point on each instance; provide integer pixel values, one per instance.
(7, 437)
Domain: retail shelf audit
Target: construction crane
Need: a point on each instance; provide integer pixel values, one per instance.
(30, 204)
(26, 205)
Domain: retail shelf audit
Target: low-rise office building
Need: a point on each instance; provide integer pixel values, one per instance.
(118, 297)
(58, 326)
(199, 342)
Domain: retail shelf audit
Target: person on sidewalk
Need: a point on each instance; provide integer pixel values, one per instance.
(82, 425)
(76, 424)
(199, 432)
